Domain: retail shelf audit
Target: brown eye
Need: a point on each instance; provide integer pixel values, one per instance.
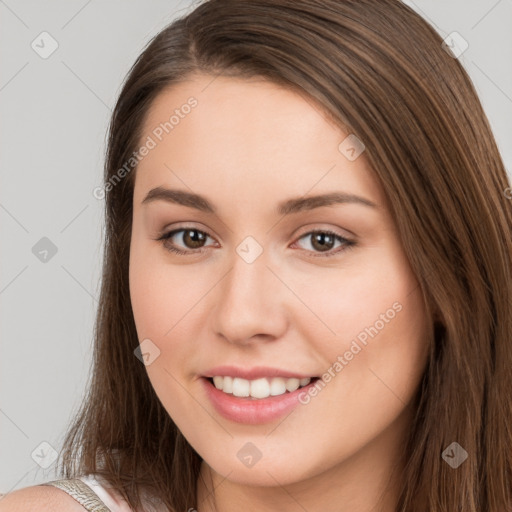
(192, 239)
(323, 242)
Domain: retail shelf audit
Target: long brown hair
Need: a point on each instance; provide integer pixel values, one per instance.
(379, 71)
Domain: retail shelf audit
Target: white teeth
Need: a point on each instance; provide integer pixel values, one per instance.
(277, 386)
(228, 385)
(292, 384)
(259, 388)
(241, 387)
(219, 382)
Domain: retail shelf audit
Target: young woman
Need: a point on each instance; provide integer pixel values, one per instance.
(307, 291)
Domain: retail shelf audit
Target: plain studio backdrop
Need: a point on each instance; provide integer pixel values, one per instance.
(63, 63)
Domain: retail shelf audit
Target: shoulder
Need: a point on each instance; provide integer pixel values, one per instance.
(43, 498)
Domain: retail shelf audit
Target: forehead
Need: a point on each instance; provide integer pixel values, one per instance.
(228, 103)
(248, 133)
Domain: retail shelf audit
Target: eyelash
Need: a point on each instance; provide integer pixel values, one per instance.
(171, 248)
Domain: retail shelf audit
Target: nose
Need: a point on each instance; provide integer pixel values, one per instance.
(251, 303)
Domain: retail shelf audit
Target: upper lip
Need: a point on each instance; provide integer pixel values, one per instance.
(256, 372)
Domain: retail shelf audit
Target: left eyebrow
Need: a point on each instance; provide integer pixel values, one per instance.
(289, 206)
(309, 203)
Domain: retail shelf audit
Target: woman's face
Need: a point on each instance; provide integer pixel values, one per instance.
(274, 286)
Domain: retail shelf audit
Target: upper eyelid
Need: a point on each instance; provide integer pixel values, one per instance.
(175, 231)
(346, 243)
(188, 228)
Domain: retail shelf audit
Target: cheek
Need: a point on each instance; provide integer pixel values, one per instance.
(373, 316)
(159, 309)
(383, 347)
(344, 302)
(167, 309)
(161, 294)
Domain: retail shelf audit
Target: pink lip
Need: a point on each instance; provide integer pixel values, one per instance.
(252, 411)
(252, 373)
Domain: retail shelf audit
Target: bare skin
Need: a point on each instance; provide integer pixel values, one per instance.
(247, 146)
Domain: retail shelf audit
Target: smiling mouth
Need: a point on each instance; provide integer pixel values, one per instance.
(258, 389)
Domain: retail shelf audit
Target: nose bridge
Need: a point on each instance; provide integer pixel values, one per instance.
(249, 297)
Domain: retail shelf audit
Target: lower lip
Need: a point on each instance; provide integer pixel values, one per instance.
(253, 411)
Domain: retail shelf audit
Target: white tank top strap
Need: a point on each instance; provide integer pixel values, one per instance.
(82, 493)
(94, 493)
(108, 495)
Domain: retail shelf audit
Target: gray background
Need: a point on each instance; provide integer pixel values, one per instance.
(54, 114)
